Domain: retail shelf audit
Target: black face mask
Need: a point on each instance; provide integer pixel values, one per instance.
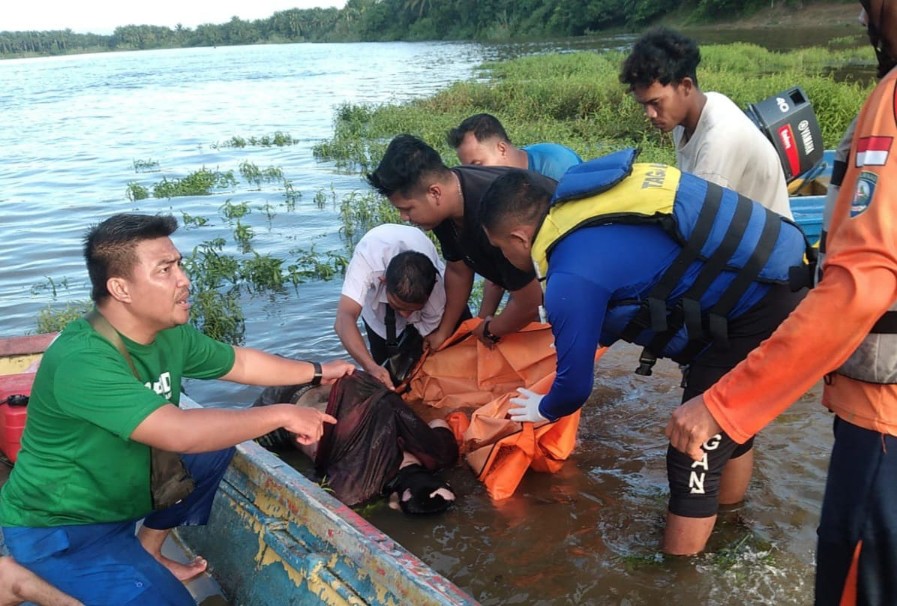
(885, 61)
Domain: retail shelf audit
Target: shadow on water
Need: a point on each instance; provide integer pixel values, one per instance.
(589, 534)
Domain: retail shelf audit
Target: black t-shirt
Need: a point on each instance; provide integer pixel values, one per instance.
(469, 243)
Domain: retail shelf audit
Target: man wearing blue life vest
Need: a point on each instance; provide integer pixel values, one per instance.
(704, 281)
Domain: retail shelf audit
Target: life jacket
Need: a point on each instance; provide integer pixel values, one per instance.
(716, 226)
(875, 359)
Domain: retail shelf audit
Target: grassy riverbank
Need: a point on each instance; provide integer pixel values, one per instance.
(576, 99)
(572, 98)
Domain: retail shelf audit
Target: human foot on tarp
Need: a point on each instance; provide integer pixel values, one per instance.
(418, 491)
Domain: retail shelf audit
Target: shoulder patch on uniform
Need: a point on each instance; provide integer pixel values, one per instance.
(873, 151)
(863, 192)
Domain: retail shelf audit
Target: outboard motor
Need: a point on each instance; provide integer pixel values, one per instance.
(789, 122)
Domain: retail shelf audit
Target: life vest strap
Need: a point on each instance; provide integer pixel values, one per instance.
(839, 169)
(688, 311)
(717, 317)
(657, 309)
(751, 271)
(392, 341)
(691, 312)
(713, 267)
(647, 315)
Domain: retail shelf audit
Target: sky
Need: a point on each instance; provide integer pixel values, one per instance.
(103, 16)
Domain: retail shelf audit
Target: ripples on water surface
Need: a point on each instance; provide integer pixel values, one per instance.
(70, 130)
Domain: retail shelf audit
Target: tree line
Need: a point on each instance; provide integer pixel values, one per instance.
(387, 20)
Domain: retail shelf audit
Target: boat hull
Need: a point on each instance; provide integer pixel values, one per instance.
(276, 538)
(808, 196)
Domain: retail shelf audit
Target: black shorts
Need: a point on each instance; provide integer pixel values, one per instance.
(694, 485)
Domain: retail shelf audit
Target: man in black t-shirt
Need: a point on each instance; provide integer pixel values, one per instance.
(447, 201)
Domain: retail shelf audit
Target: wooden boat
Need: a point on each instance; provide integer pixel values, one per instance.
(276, 538)
(807, 196)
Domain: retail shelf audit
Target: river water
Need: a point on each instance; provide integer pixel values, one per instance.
(71, 130)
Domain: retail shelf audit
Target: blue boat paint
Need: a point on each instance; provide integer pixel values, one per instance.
(277, 538)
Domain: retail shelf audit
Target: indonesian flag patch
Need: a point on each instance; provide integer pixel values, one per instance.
(873, 151)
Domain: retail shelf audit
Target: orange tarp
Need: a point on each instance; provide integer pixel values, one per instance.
(464, 373)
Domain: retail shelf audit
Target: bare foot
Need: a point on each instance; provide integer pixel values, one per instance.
(152, 540)
(184, 572)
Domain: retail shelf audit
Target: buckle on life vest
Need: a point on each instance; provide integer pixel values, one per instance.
(646, 362)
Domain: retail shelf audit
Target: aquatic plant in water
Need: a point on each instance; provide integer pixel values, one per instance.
(137, 192)
(291, 196)
(243, 235)
(145, 166)
(359, 212)
(197, 183)
(189, 220)
(230, 211)
(313, 265)
(255, 175)
(54, 316)
(278, 139)
(221, 274)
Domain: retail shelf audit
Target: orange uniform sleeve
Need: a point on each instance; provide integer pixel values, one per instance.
(859, 284)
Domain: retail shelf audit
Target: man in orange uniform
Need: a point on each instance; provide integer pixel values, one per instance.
(845, 330)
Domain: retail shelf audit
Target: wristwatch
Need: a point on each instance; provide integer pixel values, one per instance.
(319, 373)
(487, 334)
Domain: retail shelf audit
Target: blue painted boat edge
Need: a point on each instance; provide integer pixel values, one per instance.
(276, 536)
(807, 210)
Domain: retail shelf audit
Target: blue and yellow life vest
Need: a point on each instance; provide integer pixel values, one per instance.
(716, 226)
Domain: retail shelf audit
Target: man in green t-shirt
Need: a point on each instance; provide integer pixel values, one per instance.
(82, 480)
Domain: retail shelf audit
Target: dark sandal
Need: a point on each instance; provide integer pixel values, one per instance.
(416, 489)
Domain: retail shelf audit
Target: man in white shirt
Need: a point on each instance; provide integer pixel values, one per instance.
(714, 138)
(395, 279)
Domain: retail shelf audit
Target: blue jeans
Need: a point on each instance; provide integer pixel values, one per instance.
(105, 564)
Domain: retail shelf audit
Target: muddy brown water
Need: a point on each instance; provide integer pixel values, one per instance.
(590, 533)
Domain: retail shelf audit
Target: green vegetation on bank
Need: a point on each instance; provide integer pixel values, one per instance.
(577, 99)
(381, 20)
(574, 98)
